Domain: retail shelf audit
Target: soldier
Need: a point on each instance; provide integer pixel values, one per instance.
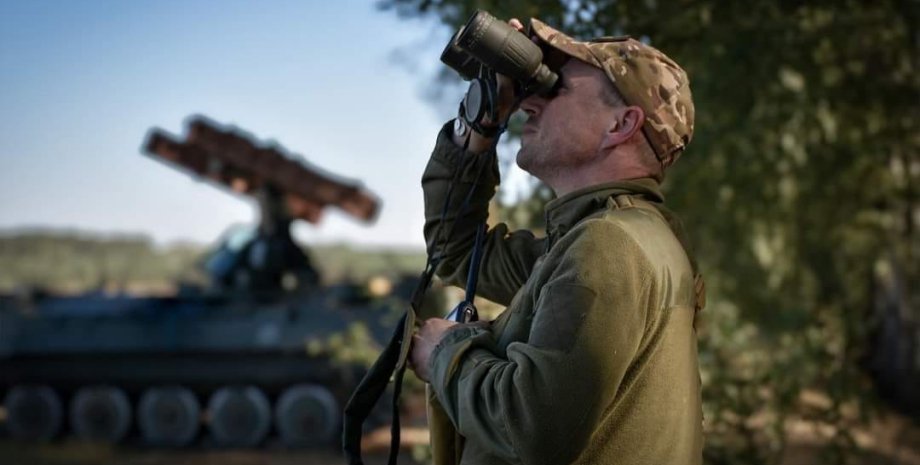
(594, 360)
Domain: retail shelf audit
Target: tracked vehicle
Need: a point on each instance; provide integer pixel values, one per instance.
(245, 358)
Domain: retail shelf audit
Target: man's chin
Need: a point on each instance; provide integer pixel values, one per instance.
(528, 163)
(523, 160)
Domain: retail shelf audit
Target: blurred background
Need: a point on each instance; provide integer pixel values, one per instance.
(138, 301)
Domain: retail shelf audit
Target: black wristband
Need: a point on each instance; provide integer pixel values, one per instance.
(488, 132)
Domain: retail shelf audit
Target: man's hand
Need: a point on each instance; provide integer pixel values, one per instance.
(423, 343)
(505, 106)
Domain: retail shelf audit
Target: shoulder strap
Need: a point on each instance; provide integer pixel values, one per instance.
(392, 362)
(624, 201)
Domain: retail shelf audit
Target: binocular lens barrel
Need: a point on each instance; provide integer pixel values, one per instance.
(507, 51)
(459, 60)
(487, 41)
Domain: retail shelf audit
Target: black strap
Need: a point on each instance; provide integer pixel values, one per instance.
(465, 311)
(371, 388)
(392, 361)
(476, 258)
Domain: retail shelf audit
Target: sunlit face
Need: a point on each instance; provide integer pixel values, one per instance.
(565, 132)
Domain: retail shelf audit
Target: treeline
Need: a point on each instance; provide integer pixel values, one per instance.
(70, 262)
(800, 195)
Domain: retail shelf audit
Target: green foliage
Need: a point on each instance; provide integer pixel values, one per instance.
(802, 177)
(78, 262)
(74, 262)
(341, 262)
(354, 346)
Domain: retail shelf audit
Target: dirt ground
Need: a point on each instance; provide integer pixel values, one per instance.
(889, 440)
(71, 453)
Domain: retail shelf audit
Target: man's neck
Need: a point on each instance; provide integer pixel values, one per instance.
(620, 164)
(582, 178)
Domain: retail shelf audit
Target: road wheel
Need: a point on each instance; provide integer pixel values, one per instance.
(168, 416)
(307, 415)
(34, 413)
(100, 413)
(239, 416)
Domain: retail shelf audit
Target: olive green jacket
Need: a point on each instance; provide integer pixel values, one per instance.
(594, 360)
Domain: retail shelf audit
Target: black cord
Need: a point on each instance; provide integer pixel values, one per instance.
(433, 260)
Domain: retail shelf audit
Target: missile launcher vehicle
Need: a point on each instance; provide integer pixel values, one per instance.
(232, 363)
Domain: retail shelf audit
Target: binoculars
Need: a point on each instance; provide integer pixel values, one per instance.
(486, 46)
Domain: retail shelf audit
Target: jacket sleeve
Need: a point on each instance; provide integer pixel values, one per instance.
(541, 401)
(507, 256)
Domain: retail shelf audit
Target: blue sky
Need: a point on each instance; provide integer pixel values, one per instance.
(81, 82)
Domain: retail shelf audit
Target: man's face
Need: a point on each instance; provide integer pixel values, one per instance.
(566, 131)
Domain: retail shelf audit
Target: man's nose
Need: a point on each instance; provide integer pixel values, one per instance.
(532, 104)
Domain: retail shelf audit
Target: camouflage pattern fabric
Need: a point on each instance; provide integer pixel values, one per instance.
(645, 77)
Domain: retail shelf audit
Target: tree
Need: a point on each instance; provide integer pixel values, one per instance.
(800, 190)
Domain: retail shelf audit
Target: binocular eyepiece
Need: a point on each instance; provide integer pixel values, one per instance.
(485, 41)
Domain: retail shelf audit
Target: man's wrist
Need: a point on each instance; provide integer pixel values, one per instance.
(446, 349)
(473, 140)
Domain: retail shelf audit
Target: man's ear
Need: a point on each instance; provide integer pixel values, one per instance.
(625, 124)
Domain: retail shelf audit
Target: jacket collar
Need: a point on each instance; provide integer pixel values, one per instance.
(564, 212)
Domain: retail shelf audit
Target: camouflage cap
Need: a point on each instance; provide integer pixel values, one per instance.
(645, 77)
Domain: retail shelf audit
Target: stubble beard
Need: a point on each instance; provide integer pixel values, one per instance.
(538, 158)
(529, 158)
